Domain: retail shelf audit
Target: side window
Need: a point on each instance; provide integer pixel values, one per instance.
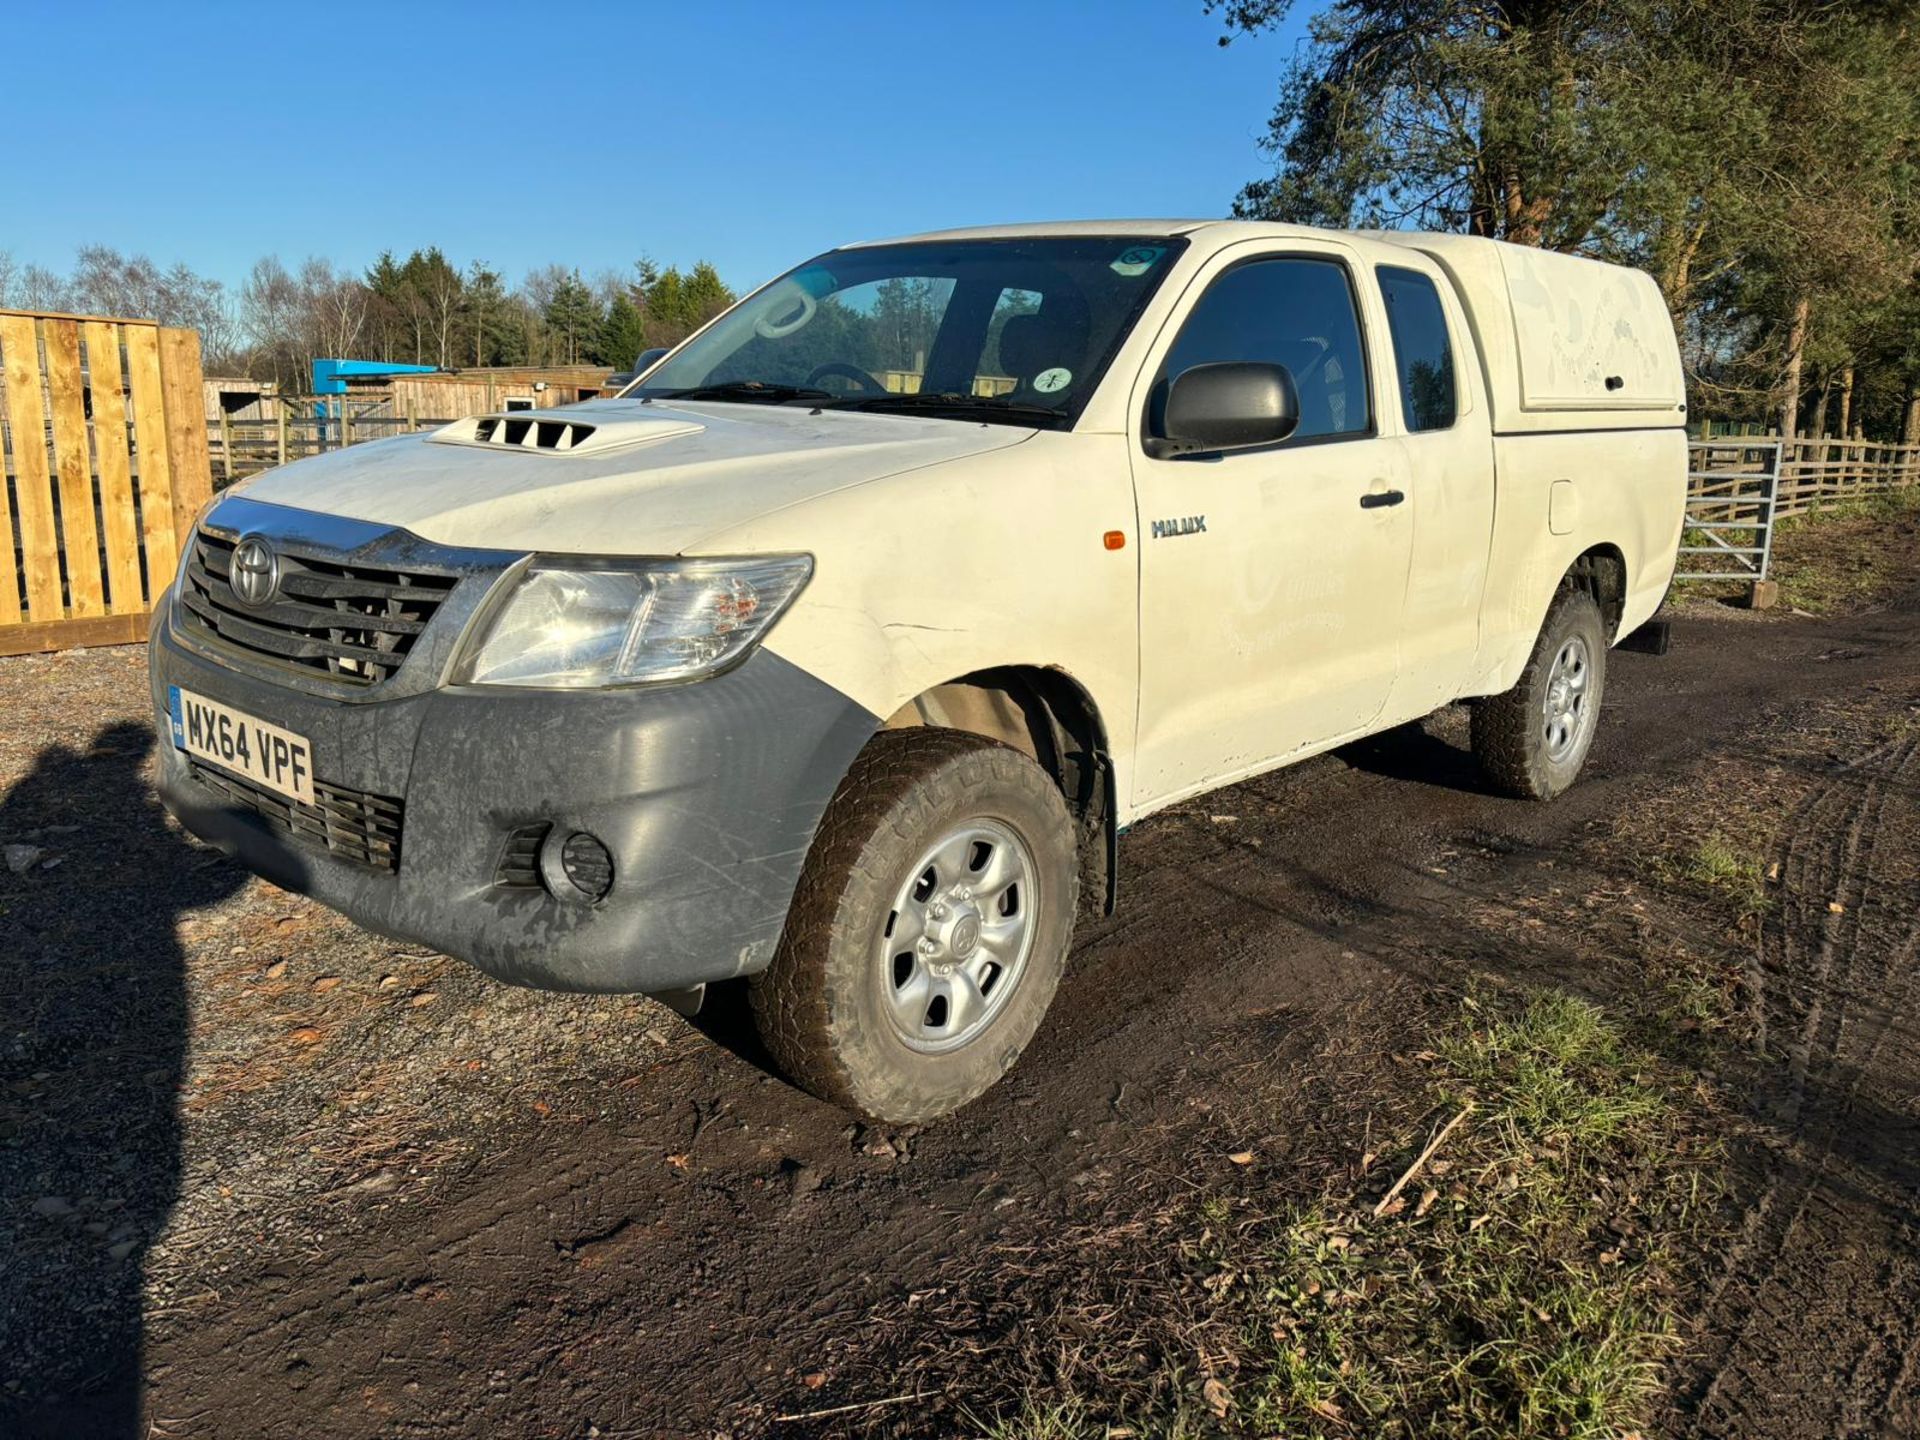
(1421, 349)
(1294, 312)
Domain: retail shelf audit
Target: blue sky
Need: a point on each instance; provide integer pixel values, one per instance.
(749, 134)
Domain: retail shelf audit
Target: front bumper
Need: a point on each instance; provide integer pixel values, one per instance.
(707, 795)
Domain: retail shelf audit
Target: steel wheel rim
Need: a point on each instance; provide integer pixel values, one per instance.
(1567, 709)
(956, 942)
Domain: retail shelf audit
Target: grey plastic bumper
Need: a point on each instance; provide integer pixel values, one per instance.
(706, 794)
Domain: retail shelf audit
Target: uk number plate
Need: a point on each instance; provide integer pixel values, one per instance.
(277, 759)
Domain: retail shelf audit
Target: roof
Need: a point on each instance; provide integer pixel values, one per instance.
(1222, 231)
(1087, 227)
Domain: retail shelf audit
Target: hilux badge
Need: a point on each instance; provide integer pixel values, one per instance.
(256, 571)
(1185, 525)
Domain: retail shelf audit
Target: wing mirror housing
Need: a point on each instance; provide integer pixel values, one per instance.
(642, 363)
(1226, 406)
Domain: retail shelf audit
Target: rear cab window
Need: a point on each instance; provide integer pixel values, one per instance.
(1422, 349)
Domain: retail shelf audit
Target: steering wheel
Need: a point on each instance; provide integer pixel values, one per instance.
(868, 385)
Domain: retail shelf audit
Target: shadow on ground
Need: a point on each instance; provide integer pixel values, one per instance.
(92, 1055)
(1414, 754)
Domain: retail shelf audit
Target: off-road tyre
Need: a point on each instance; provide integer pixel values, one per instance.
(820, 1007)
(1509, 730)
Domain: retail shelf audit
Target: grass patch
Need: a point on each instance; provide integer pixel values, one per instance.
(1518, 1284)
(1500, 1294)
(1885, 505)
(1073, 1419)
(1716, 864)
(1040, 1420)
(1839, 557)
(1552, 1071)
(1697, 1004)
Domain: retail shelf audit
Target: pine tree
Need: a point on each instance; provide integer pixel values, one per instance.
(622, 336)
(485, 315)
(572, 320)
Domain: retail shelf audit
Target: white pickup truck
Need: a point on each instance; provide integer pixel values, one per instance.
(837, 651)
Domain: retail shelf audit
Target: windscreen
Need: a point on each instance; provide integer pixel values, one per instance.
(1014, 329)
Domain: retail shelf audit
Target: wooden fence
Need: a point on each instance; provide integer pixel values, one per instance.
(104, 451)
(1814, 473)
(295, 427)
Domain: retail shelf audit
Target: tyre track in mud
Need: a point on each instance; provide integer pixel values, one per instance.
(1833, 983)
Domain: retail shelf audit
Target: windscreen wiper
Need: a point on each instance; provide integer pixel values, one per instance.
(764, 391)
(953, 403)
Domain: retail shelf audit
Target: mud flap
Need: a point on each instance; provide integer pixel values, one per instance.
(1653, 638)
(1100, 842)
(685, 1001)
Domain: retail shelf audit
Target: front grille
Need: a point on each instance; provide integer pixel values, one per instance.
(355, 826)
(354, 624)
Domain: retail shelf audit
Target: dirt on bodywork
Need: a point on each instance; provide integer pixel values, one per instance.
(264, 1174)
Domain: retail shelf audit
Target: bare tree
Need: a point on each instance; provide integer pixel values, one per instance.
(538, 290)
(106, 282)
(335, 305)
(442, 291)
(291, 320)
(41, 289)
(270, 317)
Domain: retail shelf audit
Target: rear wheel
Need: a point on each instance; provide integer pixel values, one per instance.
(930, 927)
(1532, 741)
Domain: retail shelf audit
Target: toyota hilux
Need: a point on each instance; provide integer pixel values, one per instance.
(838, 650)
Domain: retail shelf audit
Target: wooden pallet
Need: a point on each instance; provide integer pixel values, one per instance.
(106, 451)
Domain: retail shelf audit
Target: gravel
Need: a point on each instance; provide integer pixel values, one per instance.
(197, 1069)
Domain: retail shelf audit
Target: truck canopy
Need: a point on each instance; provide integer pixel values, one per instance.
(1568, 343)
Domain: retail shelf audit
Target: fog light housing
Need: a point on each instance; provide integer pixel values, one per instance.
(577, 866)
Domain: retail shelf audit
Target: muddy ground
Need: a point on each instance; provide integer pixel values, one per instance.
(262, 1174)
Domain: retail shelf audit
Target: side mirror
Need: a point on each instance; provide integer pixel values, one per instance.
(1230, 405)
(647, 359)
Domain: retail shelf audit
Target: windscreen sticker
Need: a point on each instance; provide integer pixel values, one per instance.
(816, 281)
(1048, 381)
(1137, 259)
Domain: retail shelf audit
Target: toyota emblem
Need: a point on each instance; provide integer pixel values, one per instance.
(256, 571)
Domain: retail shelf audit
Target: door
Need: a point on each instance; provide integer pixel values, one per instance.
(1449, 458)
(1271, 581)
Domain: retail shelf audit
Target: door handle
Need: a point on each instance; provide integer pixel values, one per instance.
(1375, 499)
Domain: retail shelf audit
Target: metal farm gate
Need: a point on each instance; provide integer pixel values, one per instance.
(1733, 489)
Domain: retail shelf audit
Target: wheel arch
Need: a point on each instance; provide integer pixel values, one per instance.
(1054, 720)
(1601, 571)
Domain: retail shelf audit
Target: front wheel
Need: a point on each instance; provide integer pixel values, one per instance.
(930, 928)
(1532, 741)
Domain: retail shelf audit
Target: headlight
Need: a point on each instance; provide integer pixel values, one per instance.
(577, 624)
